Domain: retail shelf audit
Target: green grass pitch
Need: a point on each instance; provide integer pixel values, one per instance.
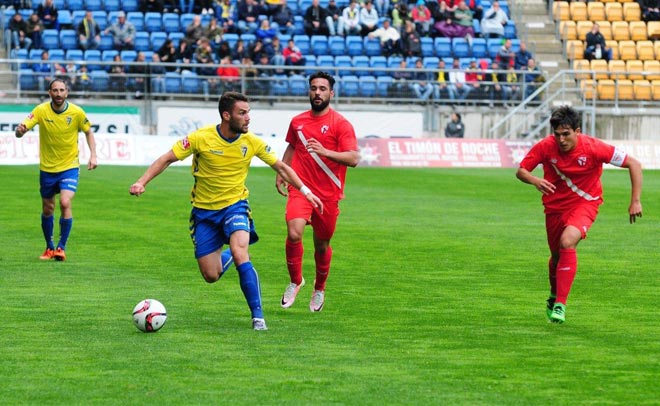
(436, 297)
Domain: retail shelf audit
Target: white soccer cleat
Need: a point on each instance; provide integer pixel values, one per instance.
(318, 299)
(290, 294)
(259, 324)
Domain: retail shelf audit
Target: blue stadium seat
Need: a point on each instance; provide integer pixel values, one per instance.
(295, 8)
(344, 61)
(428, 48)
(336, 45)
(100, 80)
(279, 85)
(68, 39)
(515, 45)
(75, 5)
(311, 64)
(27, 79)
(92, 58)
(304, 5)
(479, 48)
(112, 5)
(494, 45)
(510, 30)
(93, 5)
(176, 37)
(59, 4)
(442, 46)
(128, 55)
(109, 56)
(101, 18)
(431, 62)
(297, 85)
(142, 41)
(303, 43)
(106, 42)
(371, 47)
(248, 38)
(153, 21)
(325, 62)
(460, 47)
(384, 83)
(319, 44)
(137, 19)
(22, 54)
(64, 18)
(50, 39)
(299, 25)
(157, 39)
(368, 86)
(349, 86)
(172, 82)
(393, 61)
(190, 82)
(56, 55)
(171, 22)
(476, 26)
(129, 5)
(185, 20)
(354, 45)
(363, 63)
(76, 17)
(230, 38)
(378, 62)
(75, 55)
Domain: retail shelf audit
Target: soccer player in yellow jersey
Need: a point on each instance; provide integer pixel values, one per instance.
(221, 213)
(59, 124)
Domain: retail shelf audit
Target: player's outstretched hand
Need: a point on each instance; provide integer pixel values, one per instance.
(136, 189)
(635, 210)
(316, 202)
(544, 186)
(281, 185)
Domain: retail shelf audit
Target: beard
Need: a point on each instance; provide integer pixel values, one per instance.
(235, 128)
(318, 107)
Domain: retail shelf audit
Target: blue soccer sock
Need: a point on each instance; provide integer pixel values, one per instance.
(250, 287)
(47, 225)
(226, 259)
(65, 230)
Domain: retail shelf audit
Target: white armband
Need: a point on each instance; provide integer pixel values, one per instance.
(618, 157)
(305, 190)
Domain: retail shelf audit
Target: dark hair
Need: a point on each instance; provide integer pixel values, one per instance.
(458, 115)
(323, 75)
(64, 82)
(228, 100)
(565, 116)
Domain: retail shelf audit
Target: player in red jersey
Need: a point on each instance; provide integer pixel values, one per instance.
(322, 144)
(572, 192)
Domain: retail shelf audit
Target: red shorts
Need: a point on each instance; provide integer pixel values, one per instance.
(580, 217)
(297, 206)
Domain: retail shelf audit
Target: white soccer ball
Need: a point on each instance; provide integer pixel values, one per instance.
(149, 315)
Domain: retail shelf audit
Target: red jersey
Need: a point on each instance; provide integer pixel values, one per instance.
(576, 174)
(335, 133)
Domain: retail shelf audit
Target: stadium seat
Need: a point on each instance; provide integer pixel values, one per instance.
(634, 68)
(129, 5)
(384, 83)
(431, 62)
(230, 37)
(596, 11)
(249, 38)
(627, 50)
(153, 21)
(428, 49)
(344, 61)
(578, 11)
(106, 42)
(171, 22)
(642, 89)
(349, 86)
(480, 48)
(297, 85)
(583, 28)
(76, 17)
(50, 39)
(56, 55)
(645, 50)
(100, 80)
(588, 88)
(101, 18)
(75, 55)
(190, 82)
(325, 62)
(371, 47)
(493, 45)
(653, 30)
(561, 11)
(137, 19)
(279, 85)
(142, 41)
(75, 5)
(614, 11)
(112, 5)
(319, 44)
(64, 18)
(368, 86)
(336, 45)
(27, 79)
(606, 89)
(625, 89)
(460, 47)
(620, 31)
(442, 46)
(600, 67)
(92, 58)
(614, 46)
(582, 69)
(361, 63)
(510, 31)
(310, 64)
(355, 45)
(157, 39)
(185, 20)
(378, 62)
(617, 69)
(93, 5)
(567, 30)
(632, 11)
(128, 55)
(60, 5)
(172, 82)
(638, 30)
(653, 69)
(176, 38)
(68, 39)
(303, 43)
(299, 25)
(655, 89)
(574, 49)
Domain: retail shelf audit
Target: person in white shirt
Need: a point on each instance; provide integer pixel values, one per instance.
(493, 22)
(390, 38)
(349, 23)
(368, 18)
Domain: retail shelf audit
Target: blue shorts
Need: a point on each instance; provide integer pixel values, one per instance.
(52, 183)
(211, 229)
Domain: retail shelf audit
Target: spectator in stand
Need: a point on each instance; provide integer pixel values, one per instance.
(157, 74)
(505, 56)
(168, 53)
(223, 50)
(334, 17)
(513, 84)
(171, 6)
(497, 88)
(123, 33)
(283, 17)
(151, 6)
(532, 78)
(368, 18)
(476, 9)
(400, 15)
(230, 76)
(83, 81)
(522, 56)
(194, 31)
(389, 37)
(265, 32)
(292, 54)
(403, 77)
(239, 52)
(458, 26)
(48, 14)
(442, 88)
(18, 28)
(213, 32)
(248, 16)
(44, 70)
(315, 20)
(185, 53)
(227, 13)
(118, 74)
(186, 6)
(204, 52)
(421, 16)
(349, 24)
(34, 30)
(650, 10)
(457, 80)
(89, 34)
(493, 21)
(253, 85)
(382, 7)
(138, 80)
(204, 7)
(455, 127)
(411, 44)
(256, 48)
(275, 52)
(595, 45)
(473, 79)
(421, 83)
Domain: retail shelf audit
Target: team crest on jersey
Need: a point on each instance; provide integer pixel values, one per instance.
(68, 120)
(185, 143)
(325, 129)
(582, 160)
(244, 150)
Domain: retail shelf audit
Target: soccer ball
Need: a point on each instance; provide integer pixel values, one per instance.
(149, 315)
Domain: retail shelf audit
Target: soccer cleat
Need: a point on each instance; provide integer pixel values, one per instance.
(48, 254)
(59, 254)
(259, 324)
(558, 313)
(290, 294)
(318, 299)
(549, 306)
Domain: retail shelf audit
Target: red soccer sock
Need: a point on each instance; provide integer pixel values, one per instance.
(294, 257)
(566, 269)
(552, 276)
(322, 268)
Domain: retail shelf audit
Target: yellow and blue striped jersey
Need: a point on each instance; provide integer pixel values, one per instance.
(220, 166)
(58, 135)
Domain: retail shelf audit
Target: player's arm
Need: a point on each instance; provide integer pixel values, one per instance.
(540, 184)
(155, 169)
(347, 158)
(280, 183)
(288, 174)
(635, 170)
(21, 129)
(91, 143)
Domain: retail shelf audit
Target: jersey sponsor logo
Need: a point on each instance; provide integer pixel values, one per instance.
(185, 143)
(30, 116)
(582, 160)
(325, 129)
(48, 120)
(216, 152)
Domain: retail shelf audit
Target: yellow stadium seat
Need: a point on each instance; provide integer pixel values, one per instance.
(655, 89)
(624, 1)
(653, 29)
(596, 11)
(625, 89)
(583, 28)
(656, 47)
(632, 11)
(606, 89)
(617, 69)
(578, 11)
(567, 30)
(588, 88)
(574, 49)
(653, 69)
(561, 11)
(614, 46)
(614, 11)
(582, 68)
(620, 31)
(627, 50)
(638, 30)
(608, 1)
(600, 67)
(605, 28)
(635, 67)
(642, 89)
(645, 50)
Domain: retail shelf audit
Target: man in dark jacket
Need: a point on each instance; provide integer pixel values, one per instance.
(455, 127)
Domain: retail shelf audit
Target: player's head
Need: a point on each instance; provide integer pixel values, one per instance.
(58, 90)
(565, 123)
(235, 112)
(321, 90)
